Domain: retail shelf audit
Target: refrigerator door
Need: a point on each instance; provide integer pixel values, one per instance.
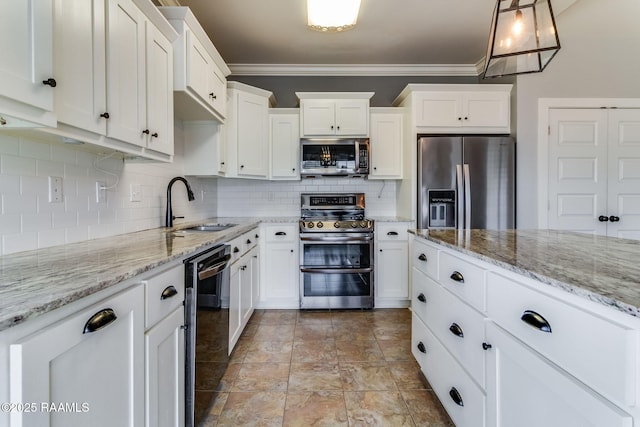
(491, 183)
(438, 157)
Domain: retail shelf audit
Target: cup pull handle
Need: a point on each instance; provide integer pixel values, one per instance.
(422, 348)
(455, 396)
(422, 298)
(99, 320)
(169, 291)
(457, 276)
(456, 330)
(535, 320)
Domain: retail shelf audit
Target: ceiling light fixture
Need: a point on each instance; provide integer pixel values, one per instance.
(330, 16)
(523, 38)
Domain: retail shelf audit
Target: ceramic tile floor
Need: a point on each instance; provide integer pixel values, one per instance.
(325, 368)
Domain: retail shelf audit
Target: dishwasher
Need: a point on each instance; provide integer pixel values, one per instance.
(207, 337)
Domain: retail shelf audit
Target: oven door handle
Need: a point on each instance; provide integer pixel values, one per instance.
(325, 238)
(336, 270)
(212, 271)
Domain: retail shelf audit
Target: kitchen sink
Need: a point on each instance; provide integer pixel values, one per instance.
(210, 227)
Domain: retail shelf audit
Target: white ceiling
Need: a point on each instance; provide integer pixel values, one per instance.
(402, 37)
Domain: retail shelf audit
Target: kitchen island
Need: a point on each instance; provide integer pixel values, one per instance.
(528, 327)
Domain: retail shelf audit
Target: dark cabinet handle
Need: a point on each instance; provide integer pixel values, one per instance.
(281, 233)
(99, 320)
(422, 298)
(257, 236)
(486, 346)
(154, 135)
(222, 163)
(331, 127)
(146, 131)
(248, 242)
(466, 118)
(236, 250)
(535, 320)
(212, 96)
(456, 330)
(455, 396)
(603, 218)
(422, 348)
(459, 118)
(338, 127)
(241, 166)
(613, 218)
(422, 257)
(50, 82)
(169, 291)
(104, 115)
(457, 276)
(293, 170)
(392, 233)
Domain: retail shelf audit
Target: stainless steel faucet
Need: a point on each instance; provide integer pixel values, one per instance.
(169, 212)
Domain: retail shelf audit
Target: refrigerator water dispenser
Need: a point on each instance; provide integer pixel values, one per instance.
(442, 208)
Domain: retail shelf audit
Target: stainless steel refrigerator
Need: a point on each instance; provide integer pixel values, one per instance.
(466, 182)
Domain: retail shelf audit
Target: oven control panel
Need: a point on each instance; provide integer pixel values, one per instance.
(328, 226)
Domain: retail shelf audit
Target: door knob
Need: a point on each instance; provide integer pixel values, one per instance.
(50, 82)
(603, 218)
(614, 218)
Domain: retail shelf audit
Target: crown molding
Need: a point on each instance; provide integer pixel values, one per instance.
(356, 69)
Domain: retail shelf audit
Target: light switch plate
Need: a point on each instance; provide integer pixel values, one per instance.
(135, 193)
(55, 189)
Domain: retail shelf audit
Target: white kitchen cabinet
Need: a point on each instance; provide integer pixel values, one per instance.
(334, 114)
(386, 143)
(92, 359)
(458, 108)
(204, 148)
(391, 264)
(279, 284)
(524, 389)
(235, 322)
(247, 131)
(284, 134)
(594, 165)
(27, 63)
(199, 70)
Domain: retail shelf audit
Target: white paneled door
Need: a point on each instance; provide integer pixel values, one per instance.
(594, 171)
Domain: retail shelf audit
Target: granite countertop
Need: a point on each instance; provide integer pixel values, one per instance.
(602, 269)
(38, 281)
(390, 219)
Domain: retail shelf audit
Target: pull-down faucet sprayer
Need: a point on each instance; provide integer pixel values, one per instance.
(169, 213)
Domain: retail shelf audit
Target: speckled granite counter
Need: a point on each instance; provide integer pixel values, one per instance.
(603, 269)
(38, 281)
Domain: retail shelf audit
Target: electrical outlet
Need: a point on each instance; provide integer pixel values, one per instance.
(55, 189)
(101, 192)
(135, 193)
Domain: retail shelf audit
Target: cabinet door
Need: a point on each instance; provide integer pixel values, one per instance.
(391, 271)
(317, 117)
(164, 369)
(253, 116)
(282, 270)
(386, 146)
(126, 93)
(285, 146)
(623, 173)
(199, 65)
(79, 64)
(27, 60)
(159, 66)
(246, 299)
(439, 109)
(217, 92)
(255, 278)
(485, 109)
(235, 288)
(524, 389)
(98, 372)
(352, 117)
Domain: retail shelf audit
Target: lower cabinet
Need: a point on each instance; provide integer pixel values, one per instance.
(525, 389)
(281, 266)
(391, 265)
(90, 363)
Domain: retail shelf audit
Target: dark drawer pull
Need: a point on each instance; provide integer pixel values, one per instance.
(50, 82)
(99, 320)
(422, 257)
(614, 218)
(281, 233)
(392, 233)
(422, 348)
(248, 241)
(169, 291)
(105, 115)
(456, 330)
(455, 395)
(457, 276)
(422, 298)
(535, 320)
(235, 250)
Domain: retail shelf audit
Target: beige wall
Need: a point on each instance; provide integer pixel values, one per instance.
(599, 58)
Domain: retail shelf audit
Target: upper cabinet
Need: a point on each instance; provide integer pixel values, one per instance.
(284, 141)
(386, 143)
(437, 108)
(27, 81)
(334, 113)
(199, 70)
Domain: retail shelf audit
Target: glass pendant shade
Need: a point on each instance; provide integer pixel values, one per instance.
(332, 15)
(523, 38)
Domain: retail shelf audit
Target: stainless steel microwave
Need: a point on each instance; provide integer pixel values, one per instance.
(334, 157)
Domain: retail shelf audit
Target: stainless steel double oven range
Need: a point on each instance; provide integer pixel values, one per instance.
(336, 252)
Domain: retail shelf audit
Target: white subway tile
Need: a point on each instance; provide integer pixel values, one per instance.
(77, 234)
(9, 144)
(49, 168)
(18, 204)
(10, 223)
(36, 222)
(9, 184)
(14, 165)
(12, 243)
(64, 220)
(35, 149)
(63, 153)
(50, 238)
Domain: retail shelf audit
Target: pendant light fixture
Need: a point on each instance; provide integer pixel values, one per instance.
(332, 15)
(523, 38)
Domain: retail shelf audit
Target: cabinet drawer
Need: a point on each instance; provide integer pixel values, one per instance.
(425, 258)
(281, 232)
(237, 248)
(459, 327)
(463, 279)
(447, 378)
(164, 293)
(391, 231)
(610, 368)
(249, 240)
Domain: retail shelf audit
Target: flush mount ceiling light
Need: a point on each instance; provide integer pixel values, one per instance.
(331, 16)
(523, 38)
